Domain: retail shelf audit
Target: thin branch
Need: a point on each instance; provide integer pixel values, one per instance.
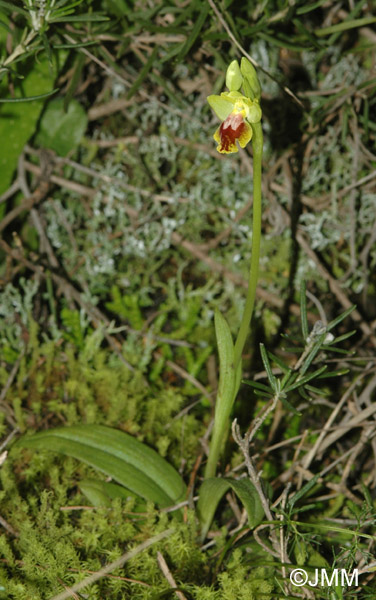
(243, 444)
(168, 575)
(116, 564)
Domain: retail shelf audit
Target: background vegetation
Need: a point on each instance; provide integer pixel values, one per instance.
(123, 229)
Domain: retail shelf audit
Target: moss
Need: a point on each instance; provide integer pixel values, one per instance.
(56, 544)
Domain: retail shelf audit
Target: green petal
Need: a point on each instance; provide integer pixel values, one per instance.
(233, 96)
(221, 105)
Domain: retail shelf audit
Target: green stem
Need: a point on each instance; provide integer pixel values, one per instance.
(230, 362)
(216, 445)
(257, 145)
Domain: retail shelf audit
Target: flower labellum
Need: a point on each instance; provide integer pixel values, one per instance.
(235, 127)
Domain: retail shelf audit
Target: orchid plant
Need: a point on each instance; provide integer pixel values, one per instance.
(240, 114)
(138, 471)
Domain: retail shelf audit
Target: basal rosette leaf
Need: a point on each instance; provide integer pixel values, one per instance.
(117, 454)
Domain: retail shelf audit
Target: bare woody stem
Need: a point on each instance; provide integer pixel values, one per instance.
(243, 444)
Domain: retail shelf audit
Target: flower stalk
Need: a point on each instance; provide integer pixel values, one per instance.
(257, 145)
(241, 122)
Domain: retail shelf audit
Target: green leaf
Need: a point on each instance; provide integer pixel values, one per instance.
(337, 373)
(18, 120)
(303, 310)
(78, 65)
(261, 394)
(314, 390)
(312, 354)
(75, 45)
(214, 488)
(59, 130)
(226, 366)
(268, 369)
(337, 320)
(300, 551)
(289, 377)
(194, 32)
(279, 362)
(100, 493)
(305, 489)
(308, 7)
(29, 98)
(11, 7)
(337, 350)
(226, 391)
(117, 454)
(344, 531)
(345, 25)
(118, 7)
(257, 385)
(290, 407)
(339, 339)
(305, 379)
(62, 7)
(143, 73)
(93, 17)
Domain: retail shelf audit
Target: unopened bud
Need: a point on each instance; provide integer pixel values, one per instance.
(234, 77)
(251, 83)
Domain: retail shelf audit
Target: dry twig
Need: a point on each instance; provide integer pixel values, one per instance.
(168, 575)
(116, 564)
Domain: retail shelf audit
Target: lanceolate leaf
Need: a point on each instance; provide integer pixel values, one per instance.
(214, 488)
(100, 493)
(226, 389)
(29, 98)
(117, 454)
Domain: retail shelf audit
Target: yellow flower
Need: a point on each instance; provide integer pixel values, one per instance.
(237, 113)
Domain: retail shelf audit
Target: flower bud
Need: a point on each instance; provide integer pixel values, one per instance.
(254, 112)
(251, 83)
(234, 77)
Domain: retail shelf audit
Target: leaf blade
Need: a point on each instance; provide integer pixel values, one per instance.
(115, 453)
(214, 488)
